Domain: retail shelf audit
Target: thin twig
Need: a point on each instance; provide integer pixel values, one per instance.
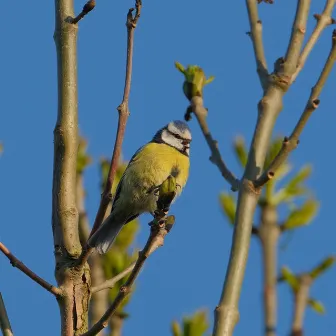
(88, 7)
(269, 234)
(291, 143)
(123, 116)
(155, 240)
(258, 46)
(196, 106)
(108, 284)
(23, 268)
(296, 40)
(322, 21)
(301, 299)
(4, 320)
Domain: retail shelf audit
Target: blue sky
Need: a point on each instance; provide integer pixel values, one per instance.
(188, 272)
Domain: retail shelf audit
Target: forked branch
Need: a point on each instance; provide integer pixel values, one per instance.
(23, 268)
(322, 21)
(291, 143)
(123, 110)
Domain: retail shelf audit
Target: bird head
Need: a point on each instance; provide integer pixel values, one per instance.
(176, 134)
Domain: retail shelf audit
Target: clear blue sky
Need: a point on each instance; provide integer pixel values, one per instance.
(188, 272)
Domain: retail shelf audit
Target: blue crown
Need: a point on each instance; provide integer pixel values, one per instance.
(183, 126)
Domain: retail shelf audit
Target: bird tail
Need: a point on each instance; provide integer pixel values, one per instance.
(103, 238)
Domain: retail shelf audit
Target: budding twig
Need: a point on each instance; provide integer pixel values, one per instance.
(87, 8)
(322, 21)
(291, 143)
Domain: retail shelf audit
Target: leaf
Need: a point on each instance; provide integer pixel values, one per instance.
(194, 325)
(240, 150)
(176, 329)
(290, 278)
(273, 151)
(322, 267)
(294, 186)
(316, 305)
(83, 159)
(302, 215)
(179, 67)
(229, 206)
(209, 80)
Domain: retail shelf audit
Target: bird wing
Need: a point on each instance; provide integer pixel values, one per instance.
(119, 188)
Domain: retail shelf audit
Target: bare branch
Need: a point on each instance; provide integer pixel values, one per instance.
(269, 233)
(23, 268)
(301, 299)
(322, 21)
(108, 284)
(258, 46)
(88, 7)
(201, 113)
(291, 143)
(296, 40)
(123, 116)
(4, 320)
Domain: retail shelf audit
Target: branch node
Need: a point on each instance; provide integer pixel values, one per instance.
(315, 103)
(317, 16)
(87, 8)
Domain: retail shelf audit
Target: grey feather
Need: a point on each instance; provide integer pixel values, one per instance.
(103, 238)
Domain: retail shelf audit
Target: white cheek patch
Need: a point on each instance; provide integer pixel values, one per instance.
(171, 140)
(173, 129)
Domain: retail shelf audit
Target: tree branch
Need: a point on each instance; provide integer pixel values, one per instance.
(23, 268)
(269, 234)
(88, 7)
(258, 46)
(74, 283)
(296, 40)
(322, 21)
(301, 299)
(226, 313)
(123, 116)
(291, 143)
(196, 106)
(108, 284)
(4, 320)
(99, 301)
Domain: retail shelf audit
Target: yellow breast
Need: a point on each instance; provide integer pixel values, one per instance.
(149, 168)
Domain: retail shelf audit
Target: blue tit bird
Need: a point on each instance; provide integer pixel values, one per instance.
(166, 154)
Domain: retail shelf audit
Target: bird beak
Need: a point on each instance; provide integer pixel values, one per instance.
(186, 143)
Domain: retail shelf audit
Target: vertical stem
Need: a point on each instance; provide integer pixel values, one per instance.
(269, 235)
(226, 313)
(116, 324)
(99, 300)
(74, 284)
(301, 299)
(4, 320)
